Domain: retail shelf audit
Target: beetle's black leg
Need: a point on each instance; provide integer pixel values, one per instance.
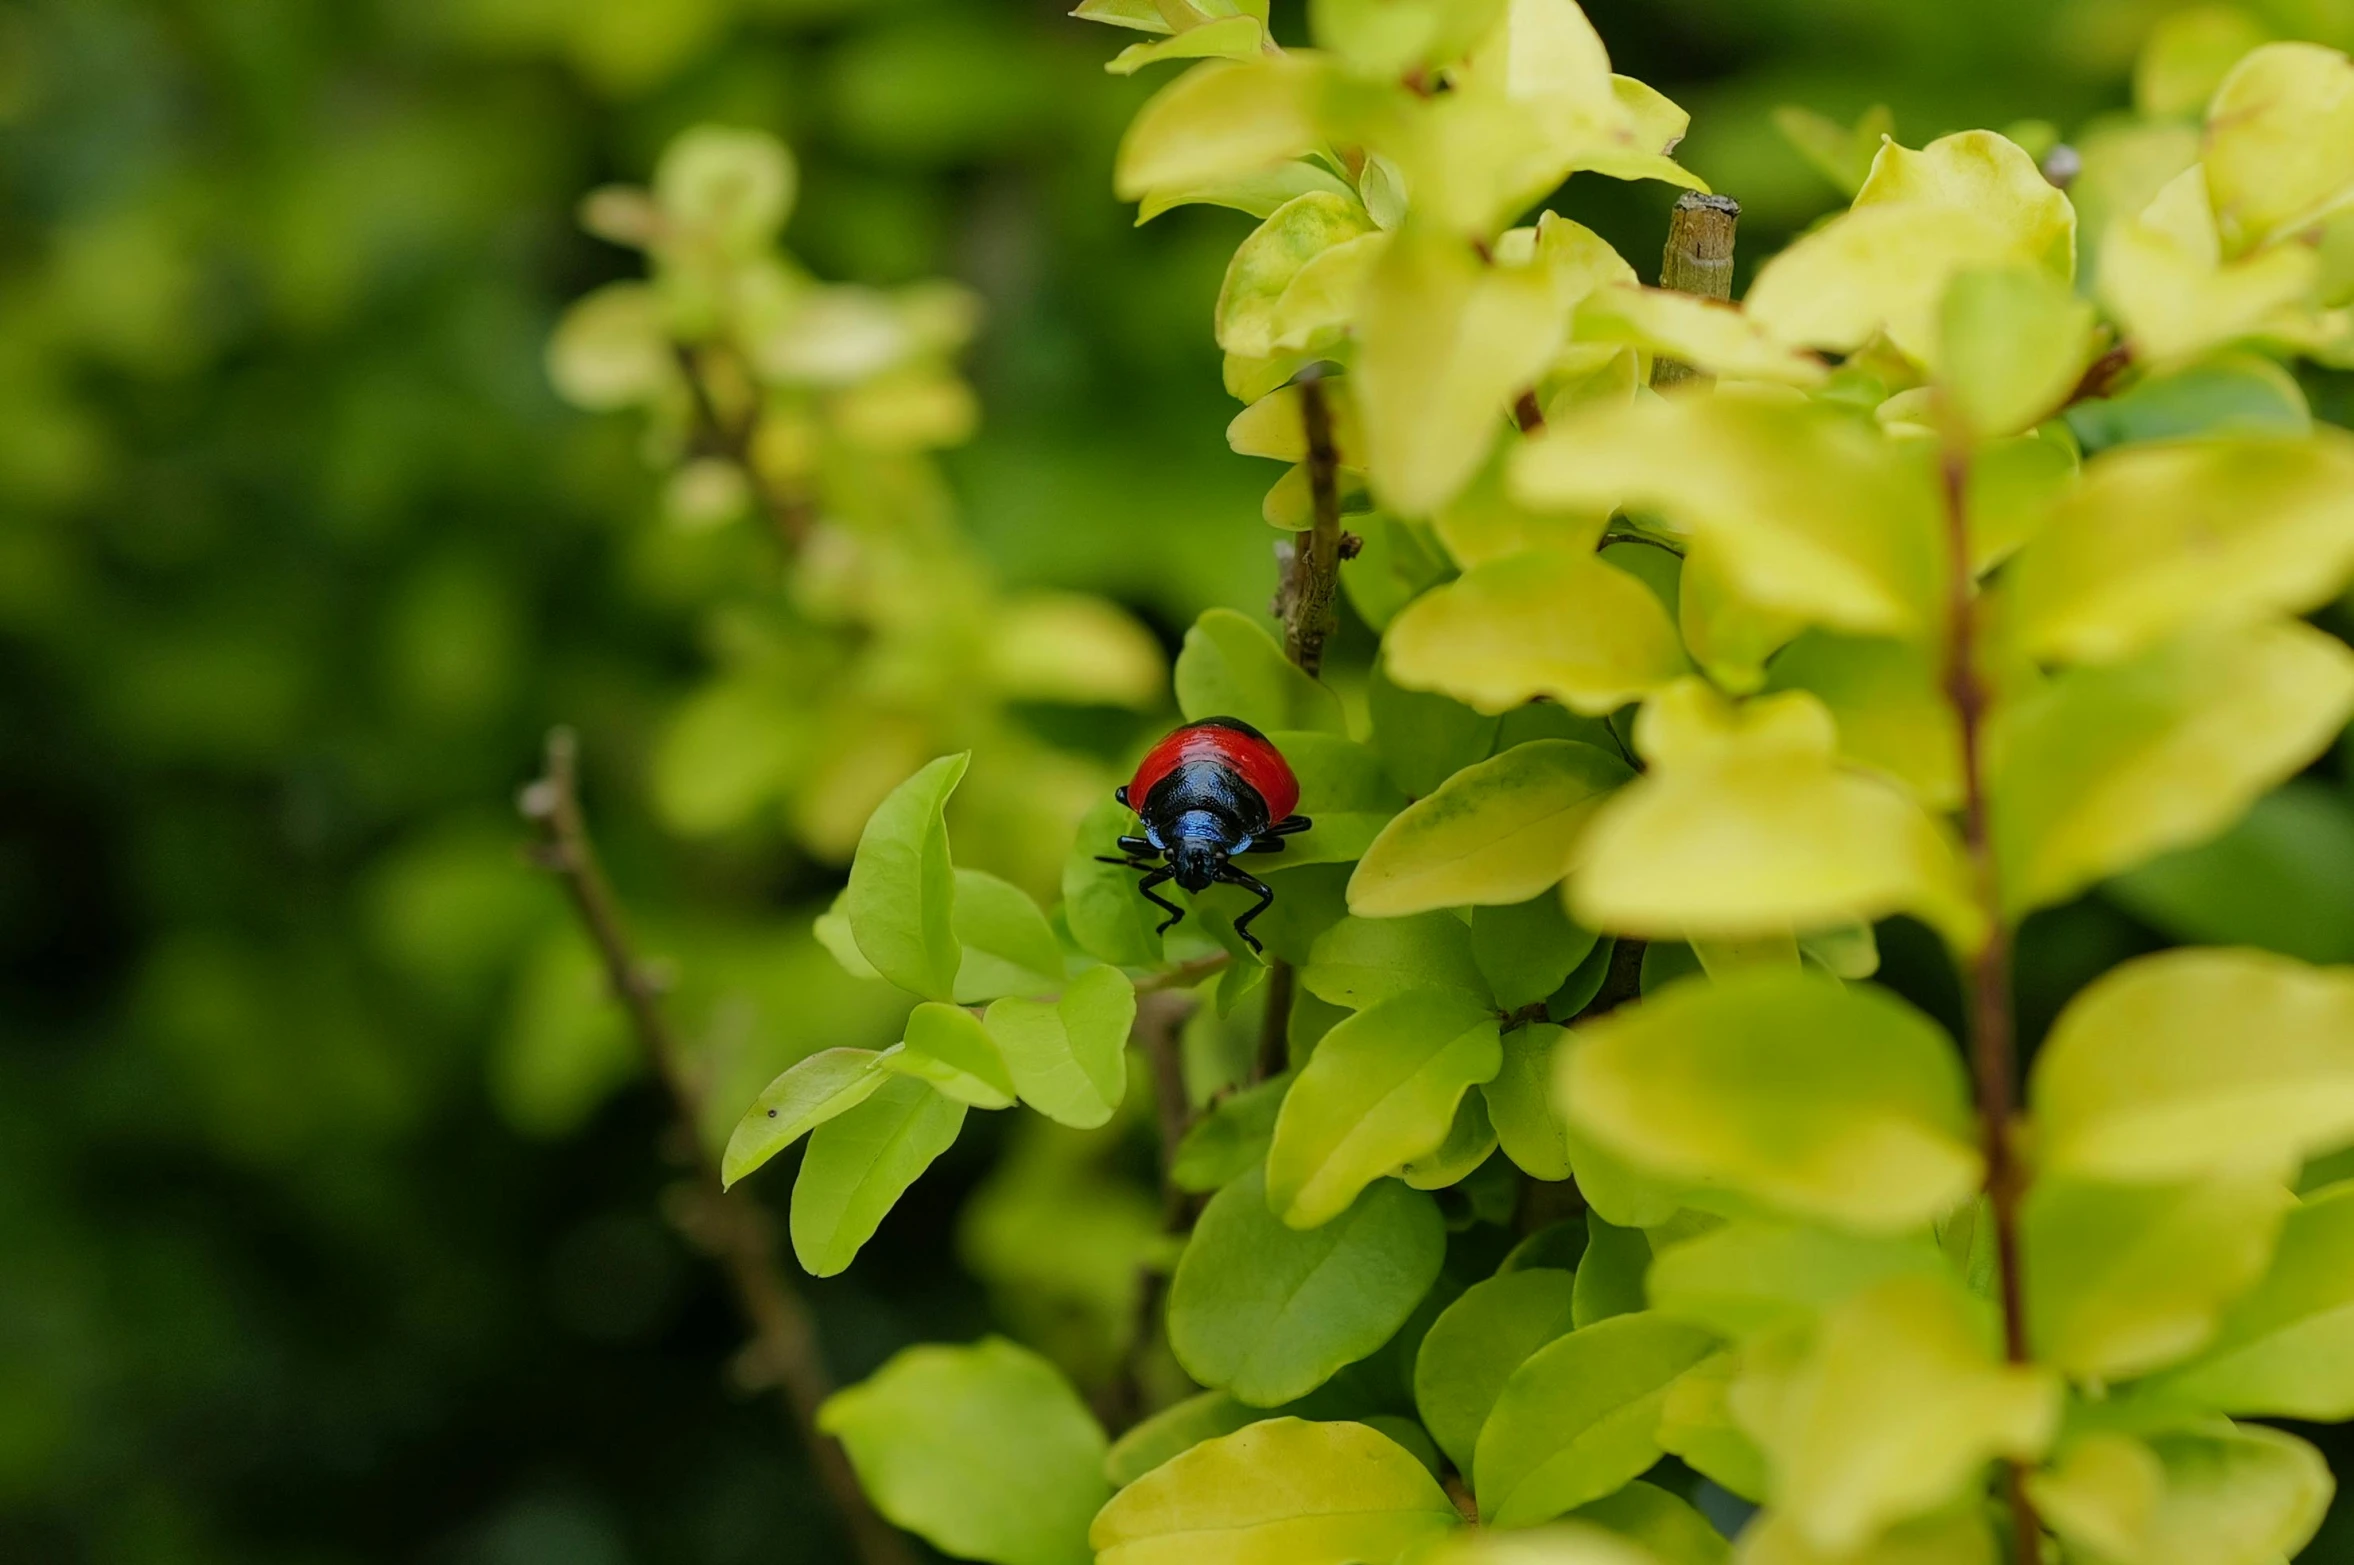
(1126, 863)
(1242, 925)
(1288, 827)
(1138, 848)
(1176, 913)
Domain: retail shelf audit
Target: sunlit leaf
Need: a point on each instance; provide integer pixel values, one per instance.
(1219, 121)
(1267, 262)
(1838, 1104)
(2161, 539)
(1543, 623)
(2013, 343)
(1811, 513)
(2102, 768)
(1890, 1412)
(1008, 947)
(2214, 1494)
(1360, 962)
(947, 1046)
(1751, 1277)
(1283, 1489)
(1227, 38)
(2280, 142)
(2124, 1279)
(2198, 1062)
(1498, 832)
(2286, 1349)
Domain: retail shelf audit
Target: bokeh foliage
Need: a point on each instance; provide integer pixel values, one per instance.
(326, 1234)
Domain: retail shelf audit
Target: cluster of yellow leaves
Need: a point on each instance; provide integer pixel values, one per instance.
(766, 391)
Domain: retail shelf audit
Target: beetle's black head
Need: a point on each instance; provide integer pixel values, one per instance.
(1197, 844)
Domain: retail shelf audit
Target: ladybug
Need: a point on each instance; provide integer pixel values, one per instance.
(1209, 791)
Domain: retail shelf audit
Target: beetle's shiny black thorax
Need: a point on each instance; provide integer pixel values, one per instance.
(1199, 815)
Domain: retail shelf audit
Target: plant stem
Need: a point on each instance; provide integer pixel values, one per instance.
(1698, 260)
(728, 1225)
(789, 512)
(1275, 1032)
(1312, 573)
(1993, 1050)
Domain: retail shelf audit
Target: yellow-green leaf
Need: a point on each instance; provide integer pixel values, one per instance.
(1887, 700)
(2103, 768)
(1758, 831)
(2196, 1063)
(2125, 1279)
(2280, 143)
(1989, 176)
(2164, 277)
(1283, 1489)
(2159, 539)
(947, 1046)
(1380, 1090)
(1836, 1104)
(1220, 120)
(1709, 334)
(1891, 1411)
(1266, 263)
(2013, 342)
(1812, 513)
(814, 1090)
(1495, 833)
(1580, 1417)
(1445, 343)
(2286, 1349)
(1227, 38)
(1231, 667)
(1543, 623)
(2212, 1494)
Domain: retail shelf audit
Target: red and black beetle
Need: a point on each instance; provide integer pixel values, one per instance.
(1210, 791)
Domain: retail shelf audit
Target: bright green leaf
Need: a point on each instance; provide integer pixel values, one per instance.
(1008, 946)
(1360, 962)
(2014, 342)
(1230, 1139)
(1520, 1104)
(1610, 1276)
(1269, 1313)
(858, 1166)
(1265, 264)
(1670, 1530)
(1068, 1059)
(947, 1046)
(2286, 1349)
(2216, 1494)
(1380, 1091)
(1580, 1417)
(1232, 668)
(1108, 918)
(827, 1083)
(983, 1451)
(1527, 950)
(1474, 1346)
(903, 888)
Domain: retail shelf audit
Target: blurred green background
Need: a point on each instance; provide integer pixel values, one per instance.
(329, 1217)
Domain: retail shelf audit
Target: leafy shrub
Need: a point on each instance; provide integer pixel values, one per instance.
(1587, 1173)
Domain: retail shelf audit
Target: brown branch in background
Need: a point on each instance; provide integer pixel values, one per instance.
(1311, 574)
(791, 512)
(1274, 1057)
(728, 1225)
(1993, 1061)
(1698, 260)
(1159, 1031)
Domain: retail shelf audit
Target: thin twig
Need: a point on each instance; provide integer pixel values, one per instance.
(790, 512)
(1159, 1032)
(1992, 1048)
(1274, 1057)
(1312, 575)
(727, 1224)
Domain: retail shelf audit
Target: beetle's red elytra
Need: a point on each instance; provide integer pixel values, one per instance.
(1209, 791)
